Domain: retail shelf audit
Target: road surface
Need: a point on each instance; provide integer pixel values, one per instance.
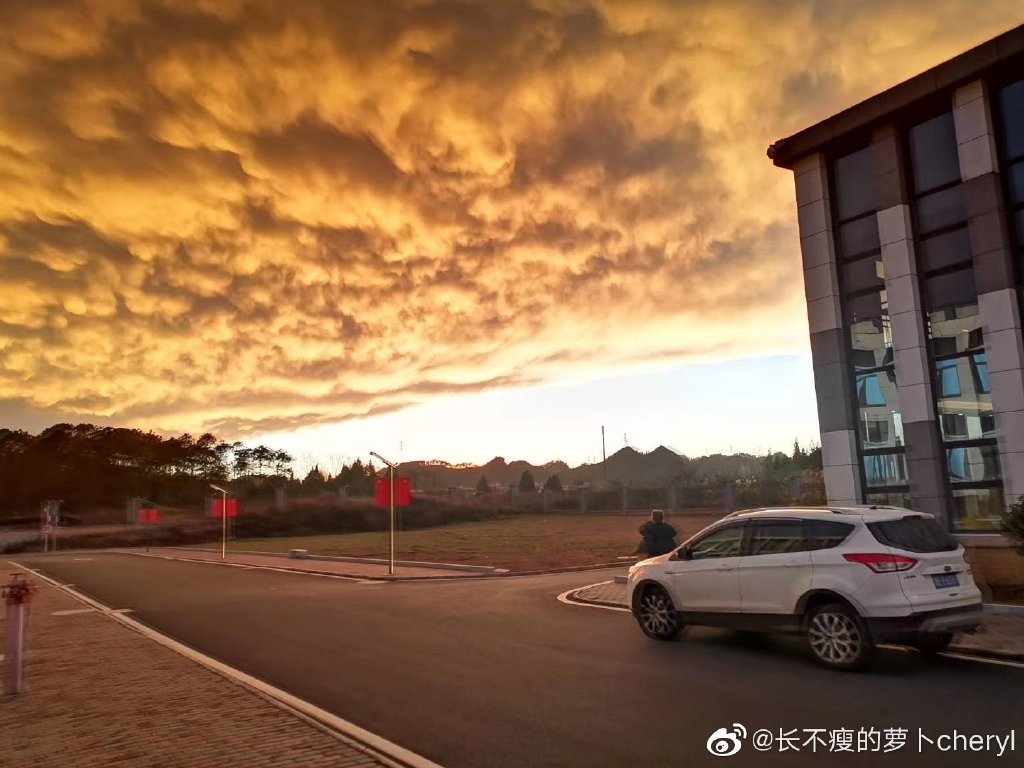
(497, 672)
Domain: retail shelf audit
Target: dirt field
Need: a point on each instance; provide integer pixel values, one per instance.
(519, 544)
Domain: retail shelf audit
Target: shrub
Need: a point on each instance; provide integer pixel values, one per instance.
(1013, 524)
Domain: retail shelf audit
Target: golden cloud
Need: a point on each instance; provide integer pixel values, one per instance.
(263, 215)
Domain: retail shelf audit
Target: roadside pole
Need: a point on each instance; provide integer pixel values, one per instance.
(16, 596)
(223, 522)
(391, 546)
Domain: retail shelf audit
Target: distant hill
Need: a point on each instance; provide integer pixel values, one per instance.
(626, 466)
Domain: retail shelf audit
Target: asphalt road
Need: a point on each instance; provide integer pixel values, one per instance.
(496, 672)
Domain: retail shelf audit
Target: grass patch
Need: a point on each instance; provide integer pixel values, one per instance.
(518, 543)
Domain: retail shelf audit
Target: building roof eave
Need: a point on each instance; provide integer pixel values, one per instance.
(786, 152)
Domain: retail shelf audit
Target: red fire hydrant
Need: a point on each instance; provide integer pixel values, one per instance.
(17, 595)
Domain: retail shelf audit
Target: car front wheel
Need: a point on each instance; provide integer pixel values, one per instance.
(838, 637)
(657, 615)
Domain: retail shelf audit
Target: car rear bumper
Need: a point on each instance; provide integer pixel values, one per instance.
(896, 628)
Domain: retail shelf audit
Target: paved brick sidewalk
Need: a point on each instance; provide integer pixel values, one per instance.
(999, 633)
(335, 567)
(100, 694)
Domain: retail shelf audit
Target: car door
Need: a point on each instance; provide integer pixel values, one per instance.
(707, 580)
(776, 570)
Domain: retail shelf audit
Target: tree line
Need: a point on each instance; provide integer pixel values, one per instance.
(357, 479)
(88, 465)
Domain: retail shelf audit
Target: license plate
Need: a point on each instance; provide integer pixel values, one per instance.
(946, 580)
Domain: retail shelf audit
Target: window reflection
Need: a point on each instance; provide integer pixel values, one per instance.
(890, 498)
(973, 463)
(977, 509)
(884, 469)
(878, 414)
(954, 330)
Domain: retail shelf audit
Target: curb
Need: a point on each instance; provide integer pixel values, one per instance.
(300, 571)
(574, 596)
(370, 744)
(491, 572)
(569, 569)
(964, 650)
(341, 559)
(1004, 609)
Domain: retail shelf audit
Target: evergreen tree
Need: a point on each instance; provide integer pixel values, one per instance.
(526, 482)
(553, 483)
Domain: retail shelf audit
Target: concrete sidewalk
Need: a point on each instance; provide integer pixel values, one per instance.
(346, 568)
(1000, 635)
(100, 694)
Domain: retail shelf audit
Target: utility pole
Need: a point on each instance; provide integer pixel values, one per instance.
(604, 459)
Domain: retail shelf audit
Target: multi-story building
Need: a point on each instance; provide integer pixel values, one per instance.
(911, 215)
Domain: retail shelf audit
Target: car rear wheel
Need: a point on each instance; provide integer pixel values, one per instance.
(838, 637)
(657, 615)
(930, 645)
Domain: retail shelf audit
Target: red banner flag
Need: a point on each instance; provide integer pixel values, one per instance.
(403, 492)
(218, 508)
(147, 515)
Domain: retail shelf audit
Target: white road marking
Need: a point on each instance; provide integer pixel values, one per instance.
(566, 597)
(375, 746)
(73, 611)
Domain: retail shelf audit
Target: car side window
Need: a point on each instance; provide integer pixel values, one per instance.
(777, 537)
(723, 542)
(825, 534)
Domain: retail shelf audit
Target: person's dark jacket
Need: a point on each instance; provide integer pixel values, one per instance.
(659, 538)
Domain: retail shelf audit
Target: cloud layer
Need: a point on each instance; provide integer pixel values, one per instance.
(254, 216)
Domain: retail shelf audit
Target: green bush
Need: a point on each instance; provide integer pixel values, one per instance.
(1013, 524)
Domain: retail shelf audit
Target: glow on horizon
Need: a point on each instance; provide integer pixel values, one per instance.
(739, 406)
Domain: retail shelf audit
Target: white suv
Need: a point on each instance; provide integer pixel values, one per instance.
(848, 578)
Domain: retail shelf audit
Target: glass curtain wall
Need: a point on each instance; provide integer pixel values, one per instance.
(956, 342)
(869, 335)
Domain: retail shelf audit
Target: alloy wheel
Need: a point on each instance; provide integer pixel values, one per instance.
(657, 614)
(835, 637)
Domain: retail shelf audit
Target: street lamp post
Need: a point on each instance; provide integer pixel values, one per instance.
(223, 522)
(391, 547)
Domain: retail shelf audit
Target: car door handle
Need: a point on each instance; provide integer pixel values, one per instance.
(726, 568)
(793, 564)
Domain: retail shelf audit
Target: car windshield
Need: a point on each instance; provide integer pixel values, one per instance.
(913, 534)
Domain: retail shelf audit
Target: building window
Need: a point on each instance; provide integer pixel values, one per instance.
(956, 339)
(885, 469)
(1010, 109)
(949, 382)
(869, 333)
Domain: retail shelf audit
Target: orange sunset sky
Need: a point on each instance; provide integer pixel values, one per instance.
(318, 223)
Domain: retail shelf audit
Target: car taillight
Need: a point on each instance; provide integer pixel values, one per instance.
(880, 563)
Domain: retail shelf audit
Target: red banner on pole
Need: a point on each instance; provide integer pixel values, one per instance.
(218, 507)
(403, 492)
(147, 516)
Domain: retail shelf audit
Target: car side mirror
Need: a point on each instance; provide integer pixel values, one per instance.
(683, 553)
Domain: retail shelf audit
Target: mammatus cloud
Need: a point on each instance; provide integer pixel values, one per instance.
(247, 216)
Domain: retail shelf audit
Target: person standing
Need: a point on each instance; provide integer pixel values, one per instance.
(659, 537)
